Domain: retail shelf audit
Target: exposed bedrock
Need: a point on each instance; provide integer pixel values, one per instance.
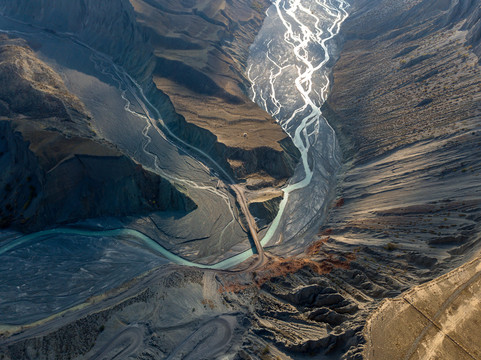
(31, 88)
(90, 179)
(305, 313)
(473, 26)
(72, 340)
(20, 179)
(278, 164)
(92, 186)
(54, 167)
(406, 106)
(438, 319)
(273, 163)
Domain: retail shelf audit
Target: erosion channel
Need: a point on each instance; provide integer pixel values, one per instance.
(289, 71)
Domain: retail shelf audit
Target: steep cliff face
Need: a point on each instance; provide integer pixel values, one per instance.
(432, 85)
(20, 179)
(86, 186)
(473, 26)
(204, 44)
(31, 88)
(92, 181)
(265, 211)
(431, 16)
(54, 167)
(406, 104)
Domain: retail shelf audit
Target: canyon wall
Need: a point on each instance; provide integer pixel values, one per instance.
(201, 50)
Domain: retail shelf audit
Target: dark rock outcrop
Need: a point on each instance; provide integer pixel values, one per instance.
(21, 179)
(201, 56)
(265, 211)
(473, 26)
(79, 186)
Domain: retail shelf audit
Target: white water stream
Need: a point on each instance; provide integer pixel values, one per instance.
(290, 80)
(289, 72)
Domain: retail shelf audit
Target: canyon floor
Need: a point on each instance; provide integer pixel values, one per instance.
(393, 271)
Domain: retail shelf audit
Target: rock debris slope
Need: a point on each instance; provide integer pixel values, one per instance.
(108, 26)
(191, 47)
